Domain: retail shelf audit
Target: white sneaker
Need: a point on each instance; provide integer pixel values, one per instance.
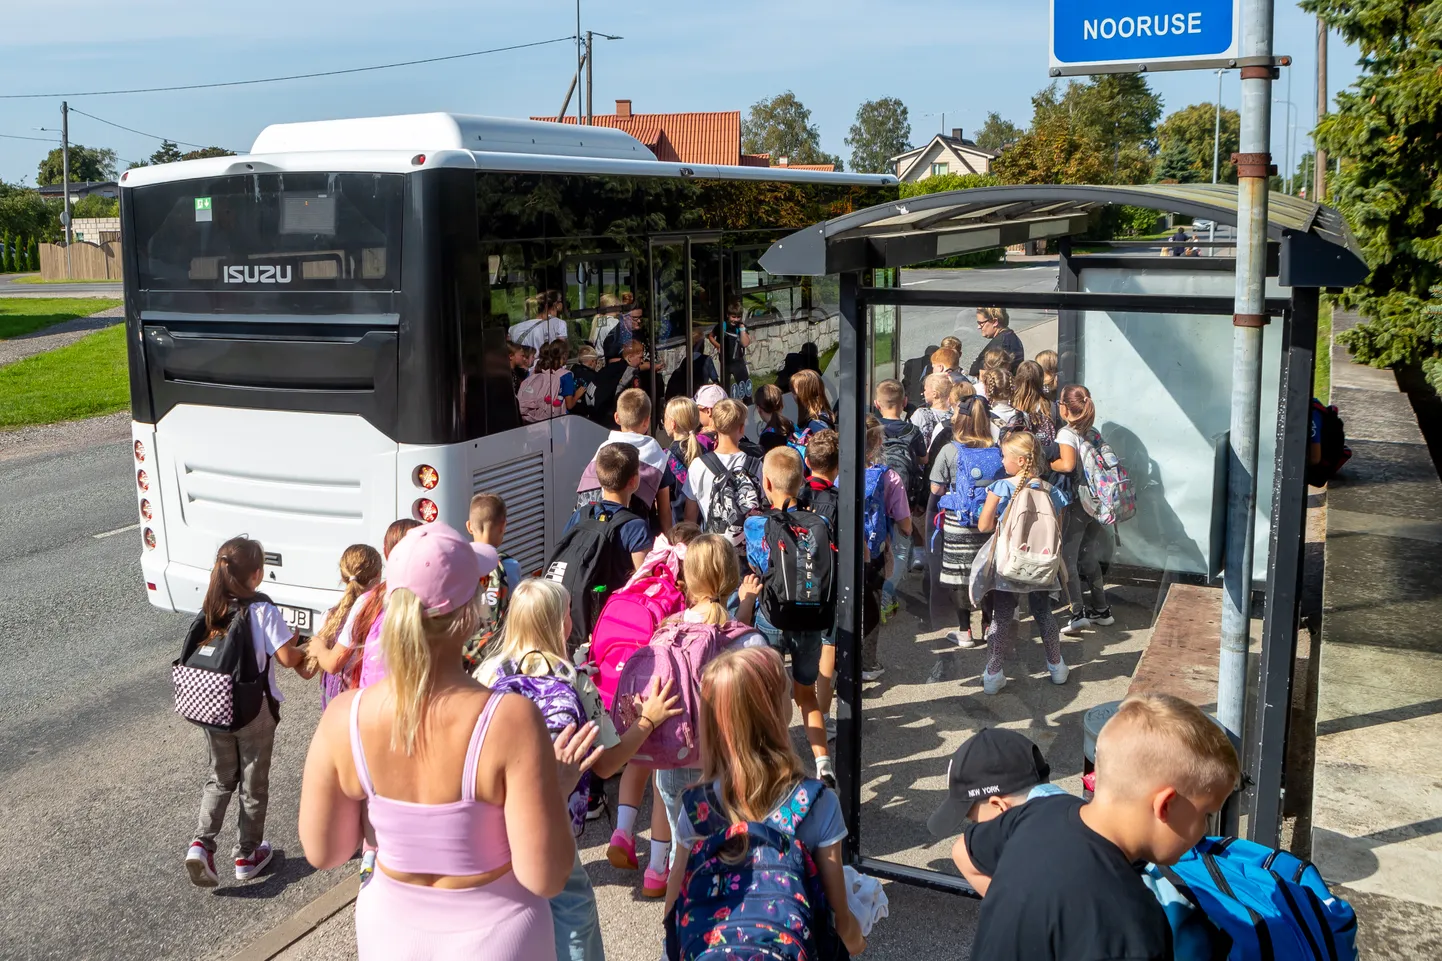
(873, 675)
(993, 683)
(1059, 672)
(1102, 618)
(1075, 625)
(248, 867)
(962, 639)
(200, 864)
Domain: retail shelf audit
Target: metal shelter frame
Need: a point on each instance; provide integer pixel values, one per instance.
(1311, 248)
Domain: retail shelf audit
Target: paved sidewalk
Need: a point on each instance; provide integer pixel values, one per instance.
(1377, 808)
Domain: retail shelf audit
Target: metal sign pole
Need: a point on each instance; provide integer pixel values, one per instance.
(1254, 167)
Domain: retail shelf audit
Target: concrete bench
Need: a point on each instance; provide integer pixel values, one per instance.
(1182, 656)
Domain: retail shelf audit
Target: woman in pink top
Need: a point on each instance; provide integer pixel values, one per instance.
(465, 791)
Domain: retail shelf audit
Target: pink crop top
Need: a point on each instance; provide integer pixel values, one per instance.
(459, 838)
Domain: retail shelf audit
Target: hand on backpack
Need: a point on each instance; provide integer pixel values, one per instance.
(575, 754)
(750, 588)
(660, 704)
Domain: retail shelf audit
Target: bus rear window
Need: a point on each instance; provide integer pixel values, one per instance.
(309, 231)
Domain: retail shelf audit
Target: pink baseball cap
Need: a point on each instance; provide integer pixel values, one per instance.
(709, 396)
(439, 566)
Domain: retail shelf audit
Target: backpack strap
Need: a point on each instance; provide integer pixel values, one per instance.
(702, 808)
(713, 463)
(790, 813)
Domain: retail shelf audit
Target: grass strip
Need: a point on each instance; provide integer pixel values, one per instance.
(22, 315)
(1322, 369)
(85, 379)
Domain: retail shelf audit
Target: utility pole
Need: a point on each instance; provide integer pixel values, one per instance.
(1216, 159)
(1254, 167)
(580, 60)
(590, 76)
(1319, 156)
(65, 179)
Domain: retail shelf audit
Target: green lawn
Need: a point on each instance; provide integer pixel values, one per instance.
(21, 315)
(85, 379)
(1322, 370)
(36, 279)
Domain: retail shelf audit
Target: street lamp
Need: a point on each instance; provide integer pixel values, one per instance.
(1217, 131)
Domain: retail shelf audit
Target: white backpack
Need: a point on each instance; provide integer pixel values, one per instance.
(540, 396)
(1027, 549)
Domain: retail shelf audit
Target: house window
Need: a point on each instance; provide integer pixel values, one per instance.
(939, 169)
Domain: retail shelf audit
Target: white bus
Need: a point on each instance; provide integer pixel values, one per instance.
(318, 329)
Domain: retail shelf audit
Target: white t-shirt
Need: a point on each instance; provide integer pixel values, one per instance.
(650, 452)
(343, 639)
(541, 331)
(269, 633)
(700, 480)
(1068, 437)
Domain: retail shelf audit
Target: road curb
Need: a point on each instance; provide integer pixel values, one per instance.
(302, 923)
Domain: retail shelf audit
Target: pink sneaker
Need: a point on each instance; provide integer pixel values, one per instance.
(653, 883)
(622, 851)
(200, 864)
(254, 863)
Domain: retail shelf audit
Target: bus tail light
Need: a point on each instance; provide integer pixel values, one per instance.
(427, 477)
(426, 510)
(150, 585)
(418, 160)
(149, 539)
(145, 509)
(142, 480)
(140, 452)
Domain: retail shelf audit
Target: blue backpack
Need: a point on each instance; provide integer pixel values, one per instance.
(976, 468)
(1244, 902)
(875, 520)
(554, 692)
(751, 890)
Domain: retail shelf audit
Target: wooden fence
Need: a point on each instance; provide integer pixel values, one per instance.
(87, 261)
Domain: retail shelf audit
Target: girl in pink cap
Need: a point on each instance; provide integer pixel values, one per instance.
(473, 831)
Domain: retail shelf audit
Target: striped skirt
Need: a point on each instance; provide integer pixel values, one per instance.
(959, 546)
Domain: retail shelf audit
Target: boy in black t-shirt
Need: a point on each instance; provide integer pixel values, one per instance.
(1061, 878)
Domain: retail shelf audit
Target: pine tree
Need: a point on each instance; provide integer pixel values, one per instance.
(32, 250)
(7, 245)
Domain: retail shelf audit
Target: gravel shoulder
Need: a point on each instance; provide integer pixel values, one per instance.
(57, 335)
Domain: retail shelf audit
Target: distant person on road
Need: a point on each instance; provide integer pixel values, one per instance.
(995, 325)
(241, 758)
(1179, 243)
(464, 788)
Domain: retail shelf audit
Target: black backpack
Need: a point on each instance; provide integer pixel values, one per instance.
(592, 563)
(1335, 451)
(734, 497)
(898, 452)
(826, 502)
(217, 684)
(800, 586)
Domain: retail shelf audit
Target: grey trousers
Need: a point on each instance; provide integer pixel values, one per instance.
(238, 759)
(1081, 551)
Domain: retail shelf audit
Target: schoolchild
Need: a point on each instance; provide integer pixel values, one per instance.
(487, 525)
(997, 388)
(963, 471)
(749, 772)
(936, 389)
(885, 511)
(1061, 878)
(993, 359)
(583, 373)
(813, 407)
(729, 464)
(653, 495)
(241, 758)
(904, 450)
(706, 400)
(360, 571)
(620, 373)
(1083, 538)
(362, 629)
(993, 771)
(782, 478)
(682, 422)
(819, 494)
(712, 574)
(1029, 397)
(552, 373)
(618, 471)
(1050, 365)
(766, 423)
(947, 360)
(533, 643)
(523, 358)
(1022, 461)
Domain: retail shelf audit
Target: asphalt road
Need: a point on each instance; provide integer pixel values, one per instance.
(9, 288)
(99, 780)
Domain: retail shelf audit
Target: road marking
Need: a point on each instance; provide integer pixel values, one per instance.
(913, 283)
(118, 530)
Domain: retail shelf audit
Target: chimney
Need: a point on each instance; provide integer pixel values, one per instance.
(956, 133)
(623, 109)
(783, 161)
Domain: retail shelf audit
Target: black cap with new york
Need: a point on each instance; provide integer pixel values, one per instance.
(994, 761)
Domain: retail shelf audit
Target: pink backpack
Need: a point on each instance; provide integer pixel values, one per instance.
(677, 653)
(628, 622)
(540, 396)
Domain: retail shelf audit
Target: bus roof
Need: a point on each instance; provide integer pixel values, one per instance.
(395, 144)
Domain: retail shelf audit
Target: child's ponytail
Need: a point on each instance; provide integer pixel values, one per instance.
(1077, 408)
(686, 417)
(1023, 444)
(360, 565)
(236, 564)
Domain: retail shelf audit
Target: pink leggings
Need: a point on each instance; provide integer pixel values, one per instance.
(499, 921)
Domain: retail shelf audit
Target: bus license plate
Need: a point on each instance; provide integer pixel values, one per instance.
(298, 618)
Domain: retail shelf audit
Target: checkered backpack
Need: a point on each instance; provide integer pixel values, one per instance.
(217, 683)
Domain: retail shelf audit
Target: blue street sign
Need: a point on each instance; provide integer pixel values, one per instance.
(1150, 33)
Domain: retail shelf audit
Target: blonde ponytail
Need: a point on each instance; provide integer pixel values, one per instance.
(685, 416)
(408, 642)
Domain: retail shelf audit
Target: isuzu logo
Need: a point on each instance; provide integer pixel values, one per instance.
(258, 274)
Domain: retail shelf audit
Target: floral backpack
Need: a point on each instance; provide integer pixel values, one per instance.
(751, 890)
(1109, 495)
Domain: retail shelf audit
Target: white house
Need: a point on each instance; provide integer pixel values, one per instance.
(943, 155)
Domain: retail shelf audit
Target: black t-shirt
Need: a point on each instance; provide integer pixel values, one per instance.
(1008, 341)
(1060, 891)
(610, 380)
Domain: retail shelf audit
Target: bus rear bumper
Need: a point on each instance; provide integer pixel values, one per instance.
(180, 587)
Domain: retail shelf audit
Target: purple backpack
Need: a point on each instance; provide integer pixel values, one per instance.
(555, 694)
(678, 652)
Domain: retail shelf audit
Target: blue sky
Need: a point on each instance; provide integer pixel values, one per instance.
(962, 58)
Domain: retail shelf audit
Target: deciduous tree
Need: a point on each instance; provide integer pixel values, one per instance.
(782, 127)
(881, 131)
(1102, 131)
(86, 164)
(996, 133)
(1194, 127)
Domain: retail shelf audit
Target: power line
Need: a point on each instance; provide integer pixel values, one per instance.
(142, 133)
(298, 76)
(14, 136)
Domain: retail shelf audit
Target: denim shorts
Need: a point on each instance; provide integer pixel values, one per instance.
(804, 648)
(670, 785)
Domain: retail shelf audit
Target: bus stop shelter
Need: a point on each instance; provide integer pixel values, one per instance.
(1150, 336)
